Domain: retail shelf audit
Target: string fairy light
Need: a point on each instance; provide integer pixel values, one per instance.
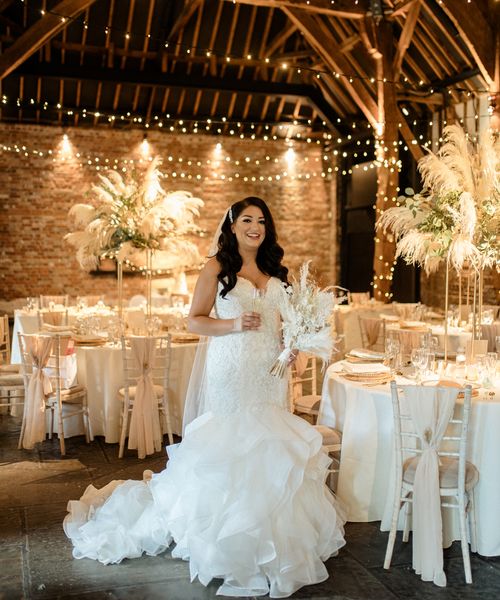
(191, 51)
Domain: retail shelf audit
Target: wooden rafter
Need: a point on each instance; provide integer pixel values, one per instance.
(167, 80)
(280, 39)
(246, 50)
(40, 33)
(263, 42)
(186, 13)
(329, 50)
(196, 33)
(402, 8)
(341, 8)
(405, 37)
(477, 34)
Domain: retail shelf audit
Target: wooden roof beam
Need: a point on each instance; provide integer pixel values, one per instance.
(328, 49)
(290, 92)
(279, 40)
(186, 13)
(341, 8)
(401, 8)
(40, 33)
(405, 37)
(477, 33)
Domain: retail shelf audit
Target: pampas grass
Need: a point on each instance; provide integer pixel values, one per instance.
(456, 217)
(135, 213)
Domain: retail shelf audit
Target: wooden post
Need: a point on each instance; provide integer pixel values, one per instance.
(387, 155)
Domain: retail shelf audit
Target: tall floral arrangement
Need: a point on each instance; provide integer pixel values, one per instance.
(457, 215)
(131, 214)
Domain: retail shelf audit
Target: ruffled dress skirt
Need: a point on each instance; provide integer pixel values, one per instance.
(243, 498)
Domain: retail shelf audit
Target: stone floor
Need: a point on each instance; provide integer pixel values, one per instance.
(36, 562)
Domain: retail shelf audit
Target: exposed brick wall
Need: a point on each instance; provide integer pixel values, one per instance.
(36, 194)
(433, 288)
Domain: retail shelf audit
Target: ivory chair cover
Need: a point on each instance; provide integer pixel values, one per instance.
(49, 384)
(430, 409)
(144, 360)
(372, 332)
(52, 317)
(145, 429)
(38, 386)
(422, 414)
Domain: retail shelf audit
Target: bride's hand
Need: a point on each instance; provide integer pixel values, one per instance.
(247, 321)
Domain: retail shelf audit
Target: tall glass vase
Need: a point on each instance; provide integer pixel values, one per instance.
(119, 277)
(149, 281)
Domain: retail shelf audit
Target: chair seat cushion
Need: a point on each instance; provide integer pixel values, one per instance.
(69, 395)
(10, 379)
(307, 404)
(448, 472)
(132, 390)
(330, 436)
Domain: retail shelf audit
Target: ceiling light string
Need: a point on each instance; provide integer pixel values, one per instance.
(238, 128)
(276, 63)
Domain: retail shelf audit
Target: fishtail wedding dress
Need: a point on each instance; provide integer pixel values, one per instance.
(243, 496)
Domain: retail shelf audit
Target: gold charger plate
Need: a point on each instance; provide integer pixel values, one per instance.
(371, 378)
(188, 338)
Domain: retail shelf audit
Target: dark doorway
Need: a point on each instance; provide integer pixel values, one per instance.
(358, 195)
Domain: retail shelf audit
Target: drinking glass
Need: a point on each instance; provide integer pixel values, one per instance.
(419, 357)
(257, 298)
(392, 349)
(153, 325)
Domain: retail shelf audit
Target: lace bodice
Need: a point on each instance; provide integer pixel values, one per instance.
(238, 363)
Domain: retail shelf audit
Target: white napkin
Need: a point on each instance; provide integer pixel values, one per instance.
(365, 368)
(364, 353)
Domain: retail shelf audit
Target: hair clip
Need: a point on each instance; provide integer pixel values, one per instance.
(230, 214)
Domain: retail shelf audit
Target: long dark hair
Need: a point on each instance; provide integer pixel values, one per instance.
(269, 254)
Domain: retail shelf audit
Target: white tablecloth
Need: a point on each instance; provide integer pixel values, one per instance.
(365, 484)
(100, 370)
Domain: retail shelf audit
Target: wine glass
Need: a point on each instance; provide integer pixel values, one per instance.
(419, 357)
(392, 349)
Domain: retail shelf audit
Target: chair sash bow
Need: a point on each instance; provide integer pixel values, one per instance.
(431, 409)
(145, 431)
(39, 387)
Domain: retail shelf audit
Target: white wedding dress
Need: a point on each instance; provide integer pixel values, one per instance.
(243, 497)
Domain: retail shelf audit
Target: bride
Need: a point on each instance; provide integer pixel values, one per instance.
(243, 496)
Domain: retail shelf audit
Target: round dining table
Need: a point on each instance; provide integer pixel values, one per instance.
(363, 412)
